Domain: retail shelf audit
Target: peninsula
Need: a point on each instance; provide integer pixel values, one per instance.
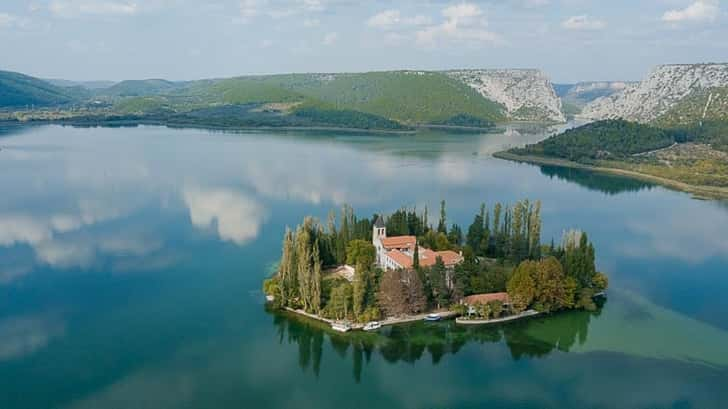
(691, 158)
(400, 268)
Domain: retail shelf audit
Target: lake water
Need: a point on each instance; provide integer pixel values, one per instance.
(131, 261)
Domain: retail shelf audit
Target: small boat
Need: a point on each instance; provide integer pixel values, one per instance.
(433, 317)
(270, 298)
(341, 326)
(371, 326)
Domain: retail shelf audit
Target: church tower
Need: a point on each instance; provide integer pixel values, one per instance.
(379, 231)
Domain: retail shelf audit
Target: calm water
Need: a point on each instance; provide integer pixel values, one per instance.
(131, 262)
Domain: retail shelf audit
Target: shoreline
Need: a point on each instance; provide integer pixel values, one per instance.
(699, 191)
(173, 125)
(524, 314)
(413, 129)
(444, 315)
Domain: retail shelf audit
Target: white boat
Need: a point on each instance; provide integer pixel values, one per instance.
(433, 317)
(340, 326)
(371, 326)
(270, 298)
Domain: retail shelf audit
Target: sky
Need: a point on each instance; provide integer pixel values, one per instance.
(570, 40)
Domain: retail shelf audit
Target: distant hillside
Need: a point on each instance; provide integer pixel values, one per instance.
(89, 85)
(406, 97)
(660, 92)
(19, 90)
(575, 97)
(138, 88)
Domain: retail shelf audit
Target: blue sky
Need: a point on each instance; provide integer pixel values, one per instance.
(571, 40)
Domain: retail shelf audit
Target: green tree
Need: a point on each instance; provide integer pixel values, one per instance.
(441, 242)
(496, 308)
(340, 301)
(474, 238)
(303, 264)
(455, 235)
(442, 224)
(360, 252)
(552, 292)
(316, 279)
(600, 282)
(438, 276)
(534, 236)
(288, 270)
(416, 256)
(522, 287)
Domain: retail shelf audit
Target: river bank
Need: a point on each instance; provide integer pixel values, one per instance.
(699, 191)
(524, 314)
(404, 319)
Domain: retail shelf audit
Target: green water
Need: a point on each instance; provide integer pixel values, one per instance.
(131, 262)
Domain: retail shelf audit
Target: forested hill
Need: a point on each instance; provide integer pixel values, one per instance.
(18, 90)
(602, 140)
(393, 99)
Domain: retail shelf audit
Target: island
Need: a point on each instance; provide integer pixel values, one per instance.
(361, 273)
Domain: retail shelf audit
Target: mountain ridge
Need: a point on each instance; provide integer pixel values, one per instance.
(663, 88)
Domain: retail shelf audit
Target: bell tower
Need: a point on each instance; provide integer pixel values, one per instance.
(380, 230)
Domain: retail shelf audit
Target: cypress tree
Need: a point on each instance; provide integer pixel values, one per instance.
(442, 225)
(303, 264)
(534, 236)
(287, 269)
(316, 280)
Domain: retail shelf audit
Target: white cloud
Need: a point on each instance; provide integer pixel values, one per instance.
(6, 20)
(330, 38)
(463, 23)
(535, 3)
(462, 11)
(277, 9)
(9, 20)
(236, 217)
(311, 22)
(384, 19)
(582, 22)
(393, 18)
(701, 10)
(74, 8)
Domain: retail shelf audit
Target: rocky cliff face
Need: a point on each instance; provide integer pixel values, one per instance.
(663, 89)
(527, 95)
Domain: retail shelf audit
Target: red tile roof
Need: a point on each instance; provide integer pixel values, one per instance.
(400, 258)
(399, 242)
(486, 298)
(427, 257)
(450, 258)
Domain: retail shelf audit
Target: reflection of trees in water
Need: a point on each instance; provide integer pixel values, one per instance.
(605, 183)
(534, 338)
